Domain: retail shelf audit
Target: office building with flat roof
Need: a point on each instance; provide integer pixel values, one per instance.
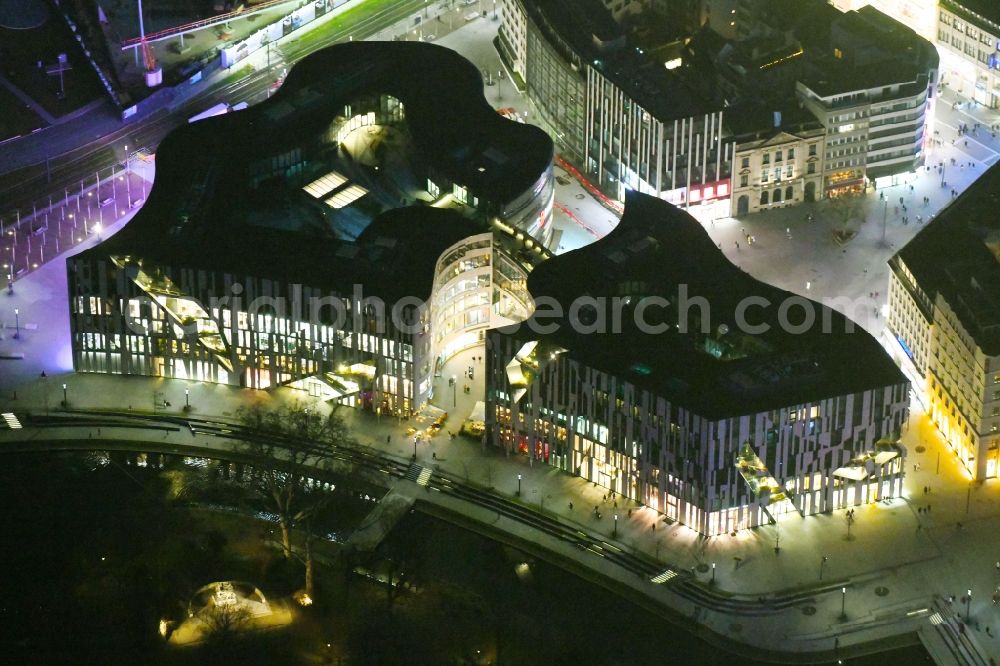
(654, 367)
(627, 120)
(872, 86)
(944, 318)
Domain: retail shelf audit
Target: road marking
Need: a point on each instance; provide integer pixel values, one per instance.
(965, 137)
(662, 578)
(936, 619)
(425, 476)
(12, 422)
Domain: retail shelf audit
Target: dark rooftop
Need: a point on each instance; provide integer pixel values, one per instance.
(877, 51)
(749, 119)
(958, 256)
(588, 26)
(716, 371)
(202, 211)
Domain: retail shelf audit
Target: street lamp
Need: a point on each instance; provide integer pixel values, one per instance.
(885, 213)
(518, 485)
(45, 395)
(65, 401)
(713, 573)
(843, 603)
(968, 605)
(187, 399)
(822, 563)
(454, 390)
(17, 324)
(614, 532)
(414, 447)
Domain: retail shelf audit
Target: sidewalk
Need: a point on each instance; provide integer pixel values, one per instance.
(886, 551)
(805, 260)
(26, 99)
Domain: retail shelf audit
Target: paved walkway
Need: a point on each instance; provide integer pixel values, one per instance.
(887, 549)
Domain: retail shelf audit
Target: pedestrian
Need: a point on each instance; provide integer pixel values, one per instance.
(388, 438)
(743, 230)
(434, 455)
(737, 246)
(570, 506)
(630, 515)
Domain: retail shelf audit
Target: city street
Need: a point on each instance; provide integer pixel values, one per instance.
(60, 156)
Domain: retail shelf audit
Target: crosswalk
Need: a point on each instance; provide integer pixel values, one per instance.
(661, 578)
(419, 474)
(11, 421)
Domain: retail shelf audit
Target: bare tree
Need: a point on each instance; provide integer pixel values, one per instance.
(296, 438)
(845, 208)
(223, 623)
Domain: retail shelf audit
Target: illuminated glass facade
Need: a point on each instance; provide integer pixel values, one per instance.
(343, 237)
(693, 413)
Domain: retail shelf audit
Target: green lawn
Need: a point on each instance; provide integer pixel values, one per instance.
(16, 117)
(354, 17)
